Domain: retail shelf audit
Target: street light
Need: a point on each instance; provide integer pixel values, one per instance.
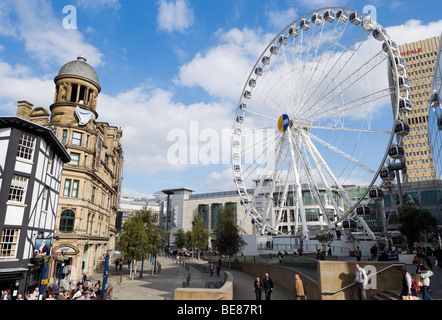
(105, 274)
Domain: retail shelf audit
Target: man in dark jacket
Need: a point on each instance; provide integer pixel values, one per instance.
(268, 286)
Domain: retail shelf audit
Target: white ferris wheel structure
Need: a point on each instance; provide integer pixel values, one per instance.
(324, 106)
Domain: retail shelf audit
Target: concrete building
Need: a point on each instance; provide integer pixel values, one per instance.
(31, 166)
(181, 206)
(420, 60)
(91, 182)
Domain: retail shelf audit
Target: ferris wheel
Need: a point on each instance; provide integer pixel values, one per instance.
(320, 110)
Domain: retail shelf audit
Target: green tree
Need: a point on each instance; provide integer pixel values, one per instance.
(182, 239)
(199, 236)
(139, 235)
(413, 222)
(228, 237)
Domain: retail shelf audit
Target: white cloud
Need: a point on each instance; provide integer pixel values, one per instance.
(223, 70)
(414, 30)
(220, 181)
(44, 36)
(16, 83)
(148, 115)
(174, 15)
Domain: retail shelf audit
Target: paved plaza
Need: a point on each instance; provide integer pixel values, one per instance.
(173, 275)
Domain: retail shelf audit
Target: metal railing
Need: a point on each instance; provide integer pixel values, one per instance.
(328, 293)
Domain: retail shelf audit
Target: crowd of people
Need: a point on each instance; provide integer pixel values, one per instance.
(82, 290)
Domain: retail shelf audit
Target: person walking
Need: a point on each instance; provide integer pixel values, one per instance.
(299, 288)
(424, 276)
(361, 281)
(268, 286)
(407, 284)
(358, 254)
(257, 288)
(438, 254)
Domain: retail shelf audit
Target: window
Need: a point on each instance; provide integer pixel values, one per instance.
(26, 146)
(93, 195)
(17, 191)
(67, 220)
(45, 201)
(75, 185)
(75, 158)
(65, 137)
(9, 243)
(67, 191)
(67, 187)
(76, 138)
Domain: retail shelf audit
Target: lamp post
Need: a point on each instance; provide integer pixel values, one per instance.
(105, 274)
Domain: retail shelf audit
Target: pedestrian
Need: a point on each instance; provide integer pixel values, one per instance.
(438, 254)
(257, 288)
(424, 277)
(361, 281)
(374, 252)
(5, 295)
(358, 254)
(299, 288)
(211, 269)
(268, 286)
(409, 287)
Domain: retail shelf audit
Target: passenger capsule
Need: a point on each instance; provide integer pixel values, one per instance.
(304, 25)
(240, 119)
(283, 40)
(377, 33)
(329, 16)
(237, 168)
(400, 63)
(316, 19)
(404, 83)
(363, 211)
(293, 32)
(404, 106)
(376, 194)
(247, 94)
(396, 152)
(342, 15)
(274, 50)
(265, 60)
(386, 174)
(236, 144)
(392, 44)
(349, 224)
(402, 129)
(242, 107)
(252, 83)
(367, 23)
(355, 18)
(258, 71)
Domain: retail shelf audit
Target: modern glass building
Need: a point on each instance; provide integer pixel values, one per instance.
(435, 115)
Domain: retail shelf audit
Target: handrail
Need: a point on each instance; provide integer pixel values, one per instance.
(328, 293)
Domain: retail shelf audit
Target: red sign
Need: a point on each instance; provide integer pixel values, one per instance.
(406, 53)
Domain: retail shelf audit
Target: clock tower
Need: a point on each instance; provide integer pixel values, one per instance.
(76, 92)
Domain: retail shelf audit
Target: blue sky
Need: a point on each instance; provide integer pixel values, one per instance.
(165, 65)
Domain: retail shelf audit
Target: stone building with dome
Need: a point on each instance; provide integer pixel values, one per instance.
(91, 182)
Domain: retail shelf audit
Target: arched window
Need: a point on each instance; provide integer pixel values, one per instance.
(67, 221)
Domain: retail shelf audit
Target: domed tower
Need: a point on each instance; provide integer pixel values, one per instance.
(76, 93)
